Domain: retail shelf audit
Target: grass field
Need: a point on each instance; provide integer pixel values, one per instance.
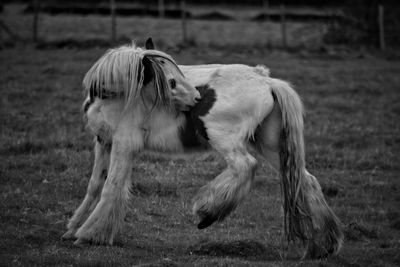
(352, 134)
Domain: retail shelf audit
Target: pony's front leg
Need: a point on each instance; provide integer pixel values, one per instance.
(99, 174)
(219, 197)
(108, 216)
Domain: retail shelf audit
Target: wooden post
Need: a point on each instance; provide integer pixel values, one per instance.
(184, 29)
(113, 22)
(161, 9)
(5, 28)
(381, 21)
(266, 9)
(283, 26)
(35, 20)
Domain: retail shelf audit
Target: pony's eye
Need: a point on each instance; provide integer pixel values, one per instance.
(162, 62)
(172, 83)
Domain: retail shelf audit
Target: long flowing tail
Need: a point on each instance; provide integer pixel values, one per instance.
(307, 216)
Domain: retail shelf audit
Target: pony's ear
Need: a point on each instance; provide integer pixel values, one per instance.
(148, 70)
(149, 44)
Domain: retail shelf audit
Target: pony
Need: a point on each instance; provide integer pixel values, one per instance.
(140, 99)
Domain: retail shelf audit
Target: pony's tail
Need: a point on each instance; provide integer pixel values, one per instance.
(306, 213)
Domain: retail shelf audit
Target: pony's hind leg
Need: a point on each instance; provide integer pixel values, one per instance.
(267, 137)
(327, 236)
(219, 197)
(108, 216)
(99, 174)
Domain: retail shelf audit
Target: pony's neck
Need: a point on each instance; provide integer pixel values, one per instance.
(162, 129)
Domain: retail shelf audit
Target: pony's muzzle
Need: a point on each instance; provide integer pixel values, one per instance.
(197, 97)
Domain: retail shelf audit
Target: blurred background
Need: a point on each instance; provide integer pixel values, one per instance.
(289, 24)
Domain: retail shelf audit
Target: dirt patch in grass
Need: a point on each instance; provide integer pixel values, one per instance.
(355, 231)
(331, 189)
(394, 219)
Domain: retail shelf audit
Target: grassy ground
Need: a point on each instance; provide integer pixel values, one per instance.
(352, 136)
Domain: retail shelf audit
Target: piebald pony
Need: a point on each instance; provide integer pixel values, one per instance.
(139, 99)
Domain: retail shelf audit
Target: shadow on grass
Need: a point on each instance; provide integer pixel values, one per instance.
(248, 249)
(34, 147)
(355, 231)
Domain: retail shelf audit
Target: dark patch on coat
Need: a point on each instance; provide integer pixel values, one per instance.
(148, 71)
(194, 134)
(149, 44)
(105, 143)
(254, 138)
(104, 173)
(103, 93)
(87, 104)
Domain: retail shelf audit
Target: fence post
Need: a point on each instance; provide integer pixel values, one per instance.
(35, 20)
(184, 29)
(381, 21)
(283, 26)
(161, 9)
(8, 31)
(113, 22)
(266, 9)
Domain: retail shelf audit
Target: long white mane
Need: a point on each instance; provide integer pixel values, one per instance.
(121, 71)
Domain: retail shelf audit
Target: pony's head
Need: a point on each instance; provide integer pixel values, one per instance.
(183, 93)
(141, 75)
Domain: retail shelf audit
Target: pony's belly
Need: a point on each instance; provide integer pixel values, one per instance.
(160, 130)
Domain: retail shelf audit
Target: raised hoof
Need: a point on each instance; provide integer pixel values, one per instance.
(69, 235)
(206, 221)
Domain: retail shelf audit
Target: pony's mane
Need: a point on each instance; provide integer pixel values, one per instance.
(120, 71)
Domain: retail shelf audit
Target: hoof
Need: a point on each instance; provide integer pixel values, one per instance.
(82, 240)
(314, 255)
(69, 235)
(206, 221)
(215, 201)
(315, 251)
